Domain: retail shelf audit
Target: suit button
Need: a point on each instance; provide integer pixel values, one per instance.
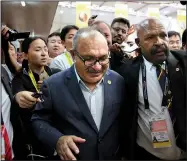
(99, 140)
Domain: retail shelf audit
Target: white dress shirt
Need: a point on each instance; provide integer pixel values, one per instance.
(155, 96)
(94, 99)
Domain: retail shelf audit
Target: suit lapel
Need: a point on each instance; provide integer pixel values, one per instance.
(105, 121)
(108, 98)
(174, 72)
(78, 96)
(133, 75)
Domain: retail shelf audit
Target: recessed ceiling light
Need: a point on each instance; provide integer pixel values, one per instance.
(23, 3)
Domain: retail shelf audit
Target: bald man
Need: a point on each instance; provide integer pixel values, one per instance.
(105, 29)
(156, 98)
(116, 60)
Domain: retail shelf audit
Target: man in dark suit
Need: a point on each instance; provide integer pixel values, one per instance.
(147, 98)
(79, 117)
(119, 30)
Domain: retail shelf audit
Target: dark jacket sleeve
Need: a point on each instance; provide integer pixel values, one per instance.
(181, 56)
(115, 61)
(42, 121)
(17, 84)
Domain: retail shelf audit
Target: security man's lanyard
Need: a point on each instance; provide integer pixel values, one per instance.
(144, 84)
(70, 62)
(33, 80)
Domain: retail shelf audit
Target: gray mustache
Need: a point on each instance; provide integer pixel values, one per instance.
(93, 71)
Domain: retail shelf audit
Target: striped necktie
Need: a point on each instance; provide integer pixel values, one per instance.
(162, 76)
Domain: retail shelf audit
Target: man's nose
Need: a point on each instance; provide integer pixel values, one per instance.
(120, 32)
(97, 66)
(56, 44)
(174, 45)
(159, 41)
(44, 52)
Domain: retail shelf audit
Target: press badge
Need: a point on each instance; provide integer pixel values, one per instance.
(159, 132)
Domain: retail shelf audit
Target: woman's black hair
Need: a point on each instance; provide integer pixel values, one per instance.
(26, 43)
(5, 48)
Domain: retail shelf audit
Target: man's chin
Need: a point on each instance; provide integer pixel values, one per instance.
(95, 77)
(119, 42)
(161, 58)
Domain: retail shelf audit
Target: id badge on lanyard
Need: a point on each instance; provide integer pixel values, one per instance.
(159, 131)
(157, 123)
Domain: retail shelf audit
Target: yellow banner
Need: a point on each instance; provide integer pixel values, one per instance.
(153, 12)
(181, 18)
(82, 13)
(181, 15)
(121, 10)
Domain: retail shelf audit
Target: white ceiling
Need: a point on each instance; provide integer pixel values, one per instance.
(164, 6)
(66, 15)
(36, 17)
(44, 17)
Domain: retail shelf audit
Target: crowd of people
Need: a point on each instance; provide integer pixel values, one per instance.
(95, 93)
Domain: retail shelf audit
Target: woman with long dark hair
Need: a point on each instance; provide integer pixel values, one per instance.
(26, 85)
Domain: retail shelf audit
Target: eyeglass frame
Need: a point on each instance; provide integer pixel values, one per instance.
(97, 60)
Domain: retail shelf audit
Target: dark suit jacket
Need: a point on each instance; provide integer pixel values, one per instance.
(176, 59)
(19, 147)
(65, 112)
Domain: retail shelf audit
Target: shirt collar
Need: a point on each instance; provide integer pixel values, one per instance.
(78, 78)
(150, 65)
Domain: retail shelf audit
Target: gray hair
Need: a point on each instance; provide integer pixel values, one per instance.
(85, 33)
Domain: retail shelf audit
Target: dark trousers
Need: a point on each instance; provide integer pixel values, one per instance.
(142, 154)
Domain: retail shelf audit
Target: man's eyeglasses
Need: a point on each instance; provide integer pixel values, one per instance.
(92, 61)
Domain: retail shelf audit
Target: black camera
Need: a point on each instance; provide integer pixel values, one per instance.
(17, 35)
(12, 35)
(93, 17)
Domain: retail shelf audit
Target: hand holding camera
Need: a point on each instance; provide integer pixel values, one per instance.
(12, 35)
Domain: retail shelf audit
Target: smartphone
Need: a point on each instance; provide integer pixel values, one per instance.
(93, 17)
(37, 95)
